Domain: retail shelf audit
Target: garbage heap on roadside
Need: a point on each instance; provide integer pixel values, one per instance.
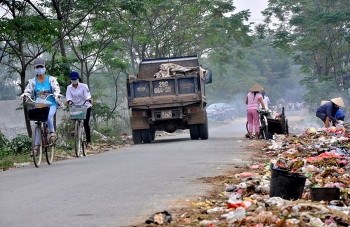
(305, 183)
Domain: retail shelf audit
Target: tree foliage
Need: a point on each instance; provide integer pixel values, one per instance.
(236, 71)
(104, 41)
(316, 33)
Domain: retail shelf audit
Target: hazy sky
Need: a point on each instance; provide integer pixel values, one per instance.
(255, 7)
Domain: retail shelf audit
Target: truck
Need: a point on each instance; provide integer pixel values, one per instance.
(168, 94)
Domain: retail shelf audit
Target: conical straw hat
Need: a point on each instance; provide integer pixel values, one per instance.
(338, 101)
(324, 102)
(256, 88)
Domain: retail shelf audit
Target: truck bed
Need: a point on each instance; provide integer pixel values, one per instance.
(173, 91)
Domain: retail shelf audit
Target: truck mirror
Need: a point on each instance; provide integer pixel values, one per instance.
(208, 77)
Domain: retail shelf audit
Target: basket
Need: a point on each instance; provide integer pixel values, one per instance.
(264, 112)
(77, 112)
(285, 184)
(325, 194)
(38, 114)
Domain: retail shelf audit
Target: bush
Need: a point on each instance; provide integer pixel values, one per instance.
(14, 150)
(4, 150)
(21, 144)
(3, 140)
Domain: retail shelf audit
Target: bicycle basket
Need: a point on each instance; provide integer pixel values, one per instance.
(264, 112)
(38, 114)
(77, 112)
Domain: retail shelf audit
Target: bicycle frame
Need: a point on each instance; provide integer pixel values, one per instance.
(40, 141)
(79, 134)
(263, 124)
(263, 129)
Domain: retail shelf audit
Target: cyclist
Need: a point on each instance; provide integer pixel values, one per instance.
(252, 100)
(78, 93)
(41, 86)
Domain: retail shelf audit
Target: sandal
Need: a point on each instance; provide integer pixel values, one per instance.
(35, 151)
(53, 136)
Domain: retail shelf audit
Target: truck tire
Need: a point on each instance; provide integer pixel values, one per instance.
(136, 136)
(146, 136)
(194, 132)
(203, 130)
(153, 134)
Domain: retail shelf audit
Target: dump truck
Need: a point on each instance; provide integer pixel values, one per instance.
(168, 94)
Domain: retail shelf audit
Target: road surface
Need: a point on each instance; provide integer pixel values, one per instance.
(121, 187)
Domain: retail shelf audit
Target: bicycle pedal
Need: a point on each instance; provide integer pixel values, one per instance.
(53, 139)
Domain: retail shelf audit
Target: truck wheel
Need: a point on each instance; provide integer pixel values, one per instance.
(203, 130)
(146, 136)
(194, 132)
(153, 134)
(136, 136)
(286, 130)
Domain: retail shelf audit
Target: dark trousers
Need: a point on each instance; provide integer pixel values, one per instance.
(87, 125)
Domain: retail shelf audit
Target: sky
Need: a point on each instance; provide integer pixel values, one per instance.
(255, 7)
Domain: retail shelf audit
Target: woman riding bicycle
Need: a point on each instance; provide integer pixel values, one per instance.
(252, 100)
(44, 86)
(78, 93)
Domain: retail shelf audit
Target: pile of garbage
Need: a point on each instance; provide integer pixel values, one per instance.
(174, 70)
(306, 182)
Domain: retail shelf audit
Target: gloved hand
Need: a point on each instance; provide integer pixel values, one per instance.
(23, 97)
(58, 99)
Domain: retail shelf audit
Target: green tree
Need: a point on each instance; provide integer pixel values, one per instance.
(316, 34)
(167, 28)
(26, 34)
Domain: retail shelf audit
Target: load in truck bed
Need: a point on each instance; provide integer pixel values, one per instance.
(170, 70)
(149, 68)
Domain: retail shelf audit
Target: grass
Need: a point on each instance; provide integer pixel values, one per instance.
(7, 162)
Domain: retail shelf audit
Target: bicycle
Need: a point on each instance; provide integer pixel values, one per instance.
(78, 114)
(39, 113)
(263, 124)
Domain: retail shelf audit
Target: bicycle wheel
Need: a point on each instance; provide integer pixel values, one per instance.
(83, 139)
(49, 146)
(265, 128)
(77, 138)
(50, 153)
(38, 152)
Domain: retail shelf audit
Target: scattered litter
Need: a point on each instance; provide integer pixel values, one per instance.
(312, 167)
(159, 218)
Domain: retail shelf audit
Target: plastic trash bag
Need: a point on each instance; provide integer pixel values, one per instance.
(159, 218)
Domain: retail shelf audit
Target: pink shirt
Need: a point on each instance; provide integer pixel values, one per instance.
(253, 102)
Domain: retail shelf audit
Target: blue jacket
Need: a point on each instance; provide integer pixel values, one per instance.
(327, 110)
(339, 114)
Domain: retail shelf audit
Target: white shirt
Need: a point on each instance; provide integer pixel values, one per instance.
(266, 102)
(78, 95)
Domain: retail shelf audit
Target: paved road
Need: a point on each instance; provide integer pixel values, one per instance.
(121, 187)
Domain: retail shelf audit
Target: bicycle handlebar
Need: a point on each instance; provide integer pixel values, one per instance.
(70, 102)
(32, 101)
(264, 112)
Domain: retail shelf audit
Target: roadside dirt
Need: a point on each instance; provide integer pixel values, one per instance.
(190, 211)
